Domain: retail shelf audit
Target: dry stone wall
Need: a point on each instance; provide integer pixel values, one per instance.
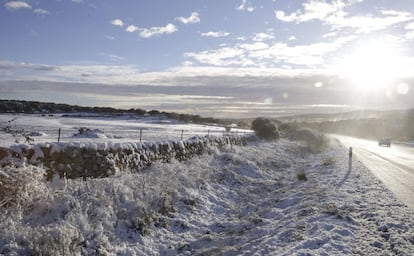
(89, 160)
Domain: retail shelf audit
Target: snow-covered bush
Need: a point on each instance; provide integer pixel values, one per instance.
(315, 141)
(265, 129)
(20, 186)
(287, 128)
(85, 132)
(81, 217)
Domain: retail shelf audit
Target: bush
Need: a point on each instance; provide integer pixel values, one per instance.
(315, 141)
(302, 176)
(265, 129)
(20, 186)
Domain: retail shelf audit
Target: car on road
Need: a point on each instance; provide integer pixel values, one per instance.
(384, 142)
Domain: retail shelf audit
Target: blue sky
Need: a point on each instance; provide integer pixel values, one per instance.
(215, 58)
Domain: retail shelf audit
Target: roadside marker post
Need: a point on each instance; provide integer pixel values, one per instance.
(350, 158)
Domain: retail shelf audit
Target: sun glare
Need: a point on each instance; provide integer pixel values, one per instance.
(371, 67)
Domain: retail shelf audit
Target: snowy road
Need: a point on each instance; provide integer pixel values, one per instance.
(394, 165)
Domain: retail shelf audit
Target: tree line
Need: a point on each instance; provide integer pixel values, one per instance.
(36, 107)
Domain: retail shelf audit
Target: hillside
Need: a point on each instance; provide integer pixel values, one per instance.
(35, 107)
(394, 124)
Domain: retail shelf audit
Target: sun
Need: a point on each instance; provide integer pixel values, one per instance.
(371, 66)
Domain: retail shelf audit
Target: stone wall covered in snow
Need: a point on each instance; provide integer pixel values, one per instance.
(91, 160)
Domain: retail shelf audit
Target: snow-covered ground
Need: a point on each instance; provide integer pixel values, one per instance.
(45, 128)
(266, 198)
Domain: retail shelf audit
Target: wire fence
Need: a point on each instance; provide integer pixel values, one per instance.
(68, 135)
(49, 130)
(143, 134)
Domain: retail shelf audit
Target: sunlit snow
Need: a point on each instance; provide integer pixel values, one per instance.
(231, 201)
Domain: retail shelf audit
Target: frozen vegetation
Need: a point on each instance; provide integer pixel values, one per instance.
(284, 197)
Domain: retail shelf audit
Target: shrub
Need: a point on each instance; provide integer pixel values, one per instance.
(20, 186)
(302, 176)
(315, 141)
(288, 127)
(265, 129)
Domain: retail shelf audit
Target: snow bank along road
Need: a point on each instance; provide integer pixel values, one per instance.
(394, 165)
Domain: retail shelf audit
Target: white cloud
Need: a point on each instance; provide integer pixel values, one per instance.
(15, 5)
(313, 9)
(221, 57)
(155, 31)
(131, 28)
(198, 84)
(259, 37)
(215, 34)
(410, 26)
(187, 63)
(334, 14)
(194, 18)
(292, 38)
(109, 37)
(410, 35)
(117, 22)
(112, 57)
(318, 84)
(41, 11)
(245, 5)
(368, 23)
(265, 55)
(410, 31)
(330, 34)
(257, 46)
(131, 75)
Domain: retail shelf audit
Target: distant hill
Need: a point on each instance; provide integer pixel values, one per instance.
(357, 114)
(35, 107)
(394, 124)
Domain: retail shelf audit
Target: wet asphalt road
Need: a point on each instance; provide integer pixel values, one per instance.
(394, 165)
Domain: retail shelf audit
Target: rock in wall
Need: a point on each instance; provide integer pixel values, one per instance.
(89, 160)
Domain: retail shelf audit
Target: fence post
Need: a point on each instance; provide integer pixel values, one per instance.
(140, 135)
(182, 134)
(350, 158)
(59, 135)
(208, 132)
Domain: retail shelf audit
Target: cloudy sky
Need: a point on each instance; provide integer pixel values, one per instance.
(216, 58)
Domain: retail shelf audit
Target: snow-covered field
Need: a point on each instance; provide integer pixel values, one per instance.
(45, 128)
(266, 198)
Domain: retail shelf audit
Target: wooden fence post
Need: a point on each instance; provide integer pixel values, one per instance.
(140, 135)
(59, 135)
(182, 134)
